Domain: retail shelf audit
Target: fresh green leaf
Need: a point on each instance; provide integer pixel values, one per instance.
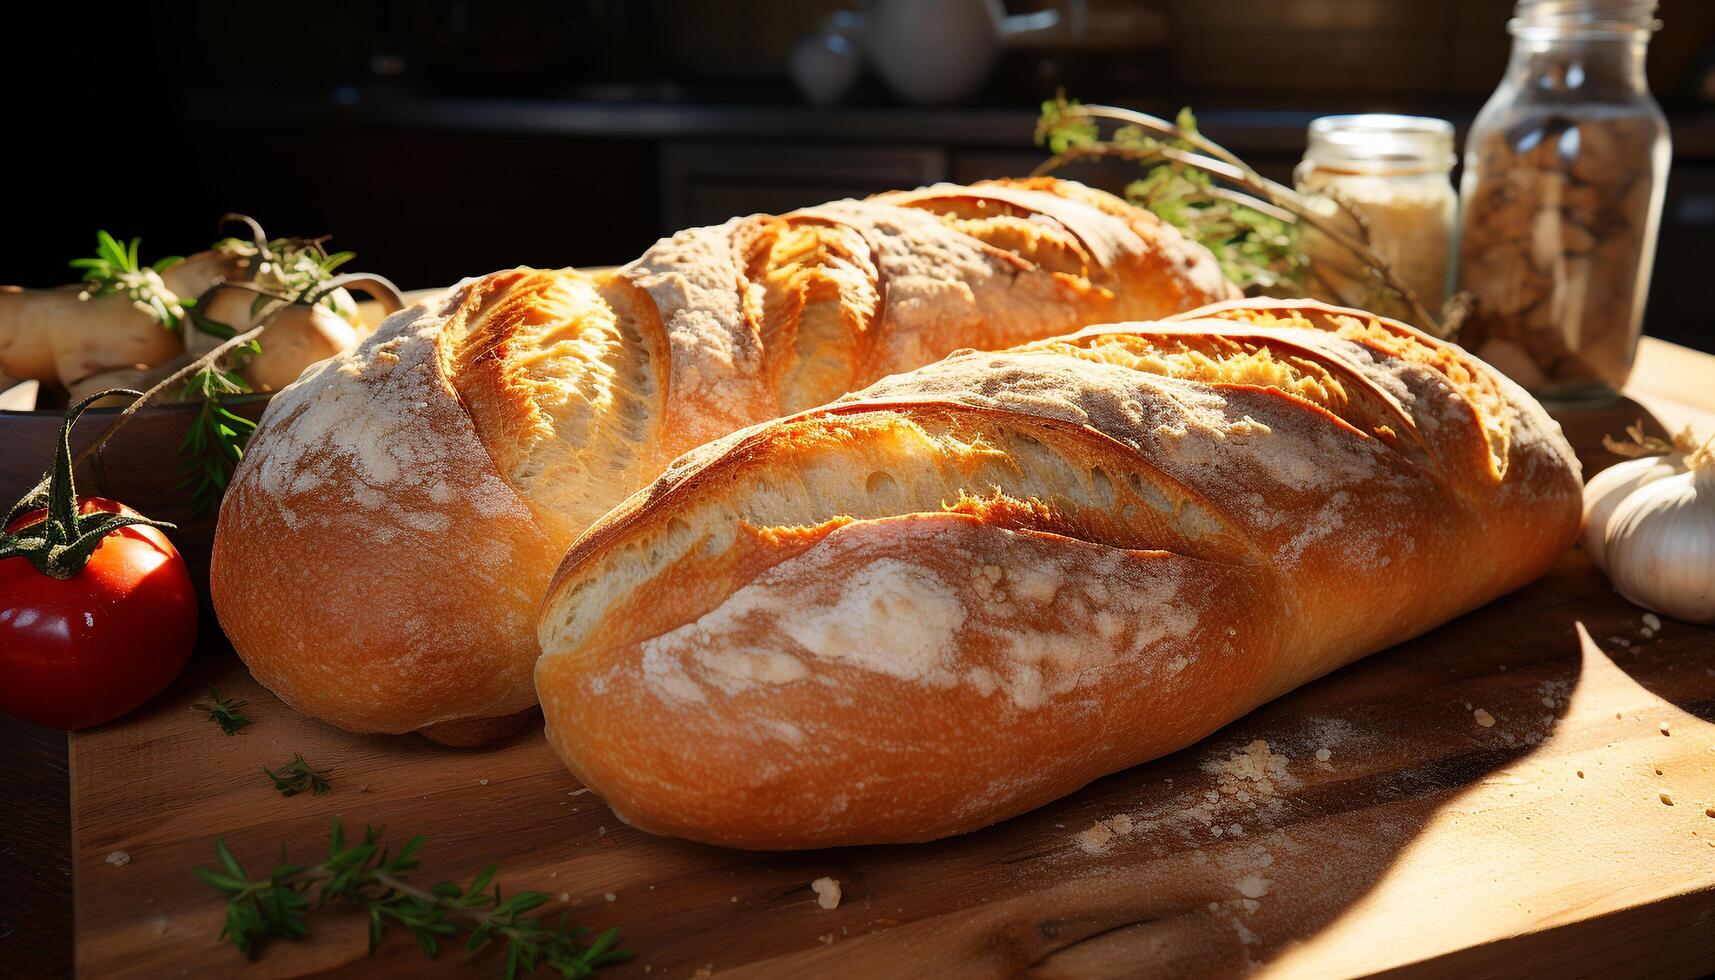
(297, 777)
(116, 269)
(224, 712)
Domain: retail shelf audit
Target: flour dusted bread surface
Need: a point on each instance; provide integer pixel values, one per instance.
(972, 588)
(389, 534)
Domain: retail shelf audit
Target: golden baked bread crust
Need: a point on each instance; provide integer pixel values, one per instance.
(386, 540)
(976, 586)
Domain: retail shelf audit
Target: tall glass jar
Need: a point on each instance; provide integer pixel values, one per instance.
(1565, 168)
(1394, 173)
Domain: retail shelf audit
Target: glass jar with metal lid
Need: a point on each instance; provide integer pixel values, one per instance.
(1565, 168)
(1392, 173)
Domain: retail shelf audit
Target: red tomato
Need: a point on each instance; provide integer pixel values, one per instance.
(88, 649)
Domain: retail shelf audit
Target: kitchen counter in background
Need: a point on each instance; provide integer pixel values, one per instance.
(502, 182)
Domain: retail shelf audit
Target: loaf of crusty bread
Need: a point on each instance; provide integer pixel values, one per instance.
(974, 587)
(386, 541)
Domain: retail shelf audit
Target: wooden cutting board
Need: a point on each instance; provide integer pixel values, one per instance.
(1492, 798)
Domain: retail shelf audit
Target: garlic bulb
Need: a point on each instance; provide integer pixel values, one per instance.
(1608, 488)
(1650, 524)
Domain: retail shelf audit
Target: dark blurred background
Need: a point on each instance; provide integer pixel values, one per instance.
(445, 139)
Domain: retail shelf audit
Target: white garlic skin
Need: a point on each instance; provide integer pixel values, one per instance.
(1608, 488)
(1660, 546)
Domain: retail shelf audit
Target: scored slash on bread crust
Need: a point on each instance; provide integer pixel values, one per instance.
(974, 587)
(387, 537)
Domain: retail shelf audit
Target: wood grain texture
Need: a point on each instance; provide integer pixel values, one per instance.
(35, 852)
(1425, 843)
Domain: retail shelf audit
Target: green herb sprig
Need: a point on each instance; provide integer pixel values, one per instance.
(215, 440)
(116, 268)
(223, 711)
(1254, 226)
(297, 777)
(285, 269)
(366, 876)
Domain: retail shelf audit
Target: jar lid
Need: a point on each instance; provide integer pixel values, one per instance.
(1381, 143)
(1613, 19)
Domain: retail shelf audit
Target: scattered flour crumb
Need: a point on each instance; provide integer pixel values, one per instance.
(1253, 886)
(1096, 837)
(1484, 718)
(482, 782)
(1652, 622)
(1256, 768)
(1323, 755)
(827, 892)
(119, 859)
(610, 896)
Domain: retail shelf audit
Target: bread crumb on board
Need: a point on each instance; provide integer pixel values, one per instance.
(1253, 886)
(1095, 837)
(1483, 718)
(1323, 755)
(827, 892)
(118, 859)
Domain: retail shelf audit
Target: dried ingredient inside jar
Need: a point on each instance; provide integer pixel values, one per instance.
(1556, 231)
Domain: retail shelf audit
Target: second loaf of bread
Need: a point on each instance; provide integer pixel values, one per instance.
(975, 587)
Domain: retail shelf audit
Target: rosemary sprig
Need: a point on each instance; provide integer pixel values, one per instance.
(215, 440)
(1251, 223)
(297, 777)
(366, 876)
(224, 712)
(115, 268)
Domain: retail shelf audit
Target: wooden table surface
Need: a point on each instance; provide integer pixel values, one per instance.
(1673, 384)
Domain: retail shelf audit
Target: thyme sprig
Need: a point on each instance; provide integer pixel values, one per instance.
(224, 711)
(297, 777)
(367, 876)
(116, 268)
(285, 269)
(1252, 224)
